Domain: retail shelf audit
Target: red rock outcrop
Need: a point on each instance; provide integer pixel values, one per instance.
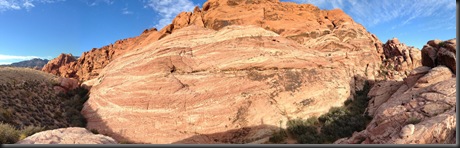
(307, 24)
(321, 30)
(71, 135)
(437, 52)
(399, 59)
(418, 110)
(90, 63)
(58, 66)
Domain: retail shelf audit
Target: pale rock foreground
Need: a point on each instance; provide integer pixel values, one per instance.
(71, 135)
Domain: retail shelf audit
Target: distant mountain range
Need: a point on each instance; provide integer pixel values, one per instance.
(35, 63)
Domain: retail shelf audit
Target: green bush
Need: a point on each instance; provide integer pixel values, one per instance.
(73, 104)
(310, 139)
(441, 44)
(413, 120)
(278, 137)
(339, 122)
(298, 127)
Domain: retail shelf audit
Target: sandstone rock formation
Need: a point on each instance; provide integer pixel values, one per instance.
(437, 52)
(71, 135)
(320, 30)
(58, 66)
(185, 88)
(399, 59)
(90, 63)
(418, 110)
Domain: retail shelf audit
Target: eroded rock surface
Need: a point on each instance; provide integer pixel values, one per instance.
(58, 66)
(437, 52)
(89, 64)
(418, 110)
(71, 135)
(186, 88)
(399, 60)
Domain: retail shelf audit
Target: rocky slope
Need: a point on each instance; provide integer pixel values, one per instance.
(29, 98)
(399, 60)
(418, 110)
(320, 30)
(71, 135)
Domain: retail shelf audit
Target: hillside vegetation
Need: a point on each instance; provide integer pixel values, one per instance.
(28, 104)
(338, 123)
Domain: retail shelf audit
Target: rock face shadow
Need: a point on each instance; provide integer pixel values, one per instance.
(234, 136)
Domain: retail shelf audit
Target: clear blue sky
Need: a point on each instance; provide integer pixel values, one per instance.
(46, 28)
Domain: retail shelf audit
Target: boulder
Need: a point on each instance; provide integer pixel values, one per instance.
(399, 58)
(70, 135)
(68, 83)
(437, 52)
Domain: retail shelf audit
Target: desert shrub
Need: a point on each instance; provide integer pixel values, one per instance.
(298, 127)
(29, 130)
(338, 122)
(310, 139)
(73, 104)
(78, 121)
(8, 134)
(334, 114)
(5, 114)
(441, 44)
(278, 136)
(347, 102)
(305, 131)
(343, 126)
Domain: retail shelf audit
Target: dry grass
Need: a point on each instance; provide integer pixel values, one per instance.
(10, 134)
(11, 74)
